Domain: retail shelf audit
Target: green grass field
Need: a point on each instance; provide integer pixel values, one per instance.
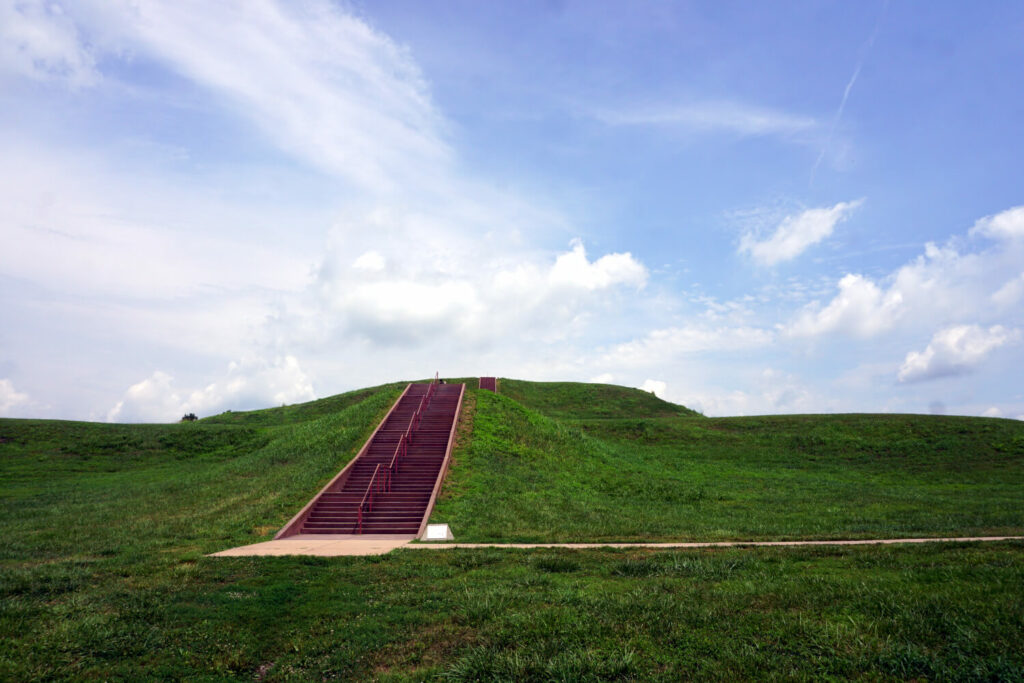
(543, 463)
(104, 574)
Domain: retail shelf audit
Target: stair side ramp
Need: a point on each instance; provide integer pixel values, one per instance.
(390, 486)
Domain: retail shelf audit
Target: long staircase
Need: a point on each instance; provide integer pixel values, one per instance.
(390, 484)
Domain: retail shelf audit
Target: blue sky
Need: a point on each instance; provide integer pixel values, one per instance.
(745, 207)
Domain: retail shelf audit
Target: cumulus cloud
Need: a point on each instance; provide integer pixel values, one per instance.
(154, 399)
(954, 351)
(572, 269)
(473, 291)
(941, 285)
(796, 233)
(1006, 225)
(861, 308)
(248, 384)
(10, 399)
(655, 386)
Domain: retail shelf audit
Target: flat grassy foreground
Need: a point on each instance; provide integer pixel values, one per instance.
(104, 574)
(935, 612)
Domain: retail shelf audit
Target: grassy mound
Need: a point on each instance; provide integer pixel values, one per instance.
(575, 401)
(103, 573)
(570, 462)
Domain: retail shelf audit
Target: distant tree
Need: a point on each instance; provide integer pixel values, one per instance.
(189, 417)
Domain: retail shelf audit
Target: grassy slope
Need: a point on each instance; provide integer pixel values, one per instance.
(164, 480)
(570, 462)
(575, 401)
(102, 574)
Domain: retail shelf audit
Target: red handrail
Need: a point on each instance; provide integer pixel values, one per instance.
(401, 450)
(367, 501)
(415, 421)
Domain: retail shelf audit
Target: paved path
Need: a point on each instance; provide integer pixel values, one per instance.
(325, 545)
(347, 544)
(716, 544)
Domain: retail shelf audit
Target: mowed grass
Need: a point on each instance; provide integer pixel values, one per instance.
(133, 485)
(104, 574)
(576, 401)
(941, 612)
(642, 469)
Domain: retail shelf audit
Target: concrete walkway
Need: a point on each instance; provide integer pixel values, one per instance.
(346, 544)
(324, 545)
(716, 544)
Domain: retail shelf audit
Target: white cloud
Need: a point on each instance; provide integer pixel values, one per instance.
(768, 392)
(324, 86)
(711, 117)
(404, 309)
(796, 233)
(656, 387)
(861, 308)
(1006, 225)
(249, 384)
(452, 272)
(786, 393)
(660, 347)
(954, 351)
(424, 257)
(10, 398)
(254, 383)
(1010, 293)
(371, 261)
(992, 412)
(572, 269)
(320, 83)
(719, 403)
(847, 90)
(68, 226)
(603, 378)
(39, 41)
(151, 400)
(474, 291)
(941, 286)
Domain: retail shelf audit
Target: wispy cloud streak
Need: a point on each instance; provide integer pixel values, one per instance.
(710, 117)
(864, 51)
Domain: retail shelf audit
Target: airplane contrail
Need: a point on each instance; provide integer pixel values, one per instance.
(864, 50)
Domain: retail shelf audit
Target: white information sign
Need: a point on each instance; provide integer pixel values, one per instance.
(438, 532)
